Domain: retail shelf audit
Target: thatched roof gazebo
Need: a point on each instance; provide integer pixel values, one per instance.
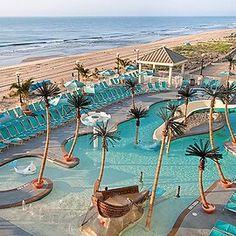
(162, 57)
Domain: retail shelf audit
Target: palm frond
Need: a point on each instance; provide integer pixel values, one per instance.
(109, 135)
(46, 91)
(203, 150)
(214, 93)
(174, 109)
(78, 102)
(131, 84)
(228, 93)
(138, 112)
(186, 92)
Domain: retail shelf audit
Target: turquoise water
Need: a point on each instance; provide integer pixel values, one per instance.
(72, 188)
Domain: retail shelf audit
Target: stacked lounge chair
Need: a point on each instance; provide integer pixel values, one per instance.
(222, 228)
(18, 127)
(231, 204)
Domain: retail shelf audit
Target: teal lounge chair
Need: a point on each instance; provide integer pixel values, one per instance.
(231, 206)
(224, 227)
(36, 125)
(151, 88)
(233, 198)
(215, 232)
(19, 112)
(158, 87)
(7, 138)
(164, 86)
(205, 83)
(3, 146)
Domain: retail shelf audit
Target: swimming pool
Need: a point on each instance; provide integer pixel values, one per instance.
(60, 212)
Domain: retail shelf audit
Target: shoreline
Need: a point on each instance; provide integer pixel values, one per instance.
(170, 41)
(59, 69)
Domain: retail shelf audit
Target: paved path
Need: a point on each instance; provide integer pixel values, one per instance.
(193, 221)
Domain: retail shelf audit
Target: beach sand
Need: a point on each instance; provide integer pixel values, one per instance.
(60, 69)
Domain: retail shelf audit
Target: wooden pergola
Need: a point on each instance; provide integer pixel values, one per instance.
(162, 57)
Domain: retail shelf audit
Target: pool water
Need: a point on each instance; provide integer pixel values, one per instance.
(62, 212)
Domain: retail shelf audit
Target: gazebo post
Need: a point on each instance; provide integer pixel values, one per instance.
(182, 69)
(170, 76)
(139, 73)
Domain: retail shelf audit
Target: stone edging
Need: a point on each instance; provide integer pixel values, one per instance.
(47, 189)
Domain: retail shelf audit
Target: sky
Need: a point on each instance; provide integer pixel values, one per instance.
(117, 8)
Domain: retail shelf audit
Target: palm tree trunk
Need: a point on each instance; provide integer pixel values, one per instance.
(168, 142)
(137, 131)
(99, 180)
(185, 110)
(78, 76)
(229, 124)
(201, 169)
(132, 95)
(75, 135)
(155, 183)
(220, 172)
(136, 134)
(211, 123)
(45, 155)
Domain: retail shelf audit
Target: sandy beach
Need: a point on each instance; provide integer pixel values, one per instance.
(60, 69)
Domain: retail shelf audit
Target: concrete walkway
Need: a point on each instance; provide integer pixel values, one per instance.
(193, 221)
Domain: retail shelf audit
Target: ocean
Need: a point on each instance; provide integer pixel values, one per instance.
(22, 38)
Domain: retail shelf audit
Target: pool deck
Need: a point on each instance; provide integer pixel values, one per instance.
(193, 221)
(35, 146)
(230, 147)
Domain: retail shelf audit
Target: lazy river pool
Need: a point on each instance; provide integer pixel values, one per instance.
(61, 212)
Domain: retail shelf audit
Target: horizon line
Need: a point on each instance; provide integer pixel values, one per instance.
(40, 16)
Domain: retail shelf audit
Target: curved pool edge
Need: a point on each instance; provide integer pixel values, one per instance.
(21, 191)
(116, 124)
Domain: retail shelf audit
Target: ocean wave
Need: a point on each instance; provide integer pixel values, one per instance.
(10, 44)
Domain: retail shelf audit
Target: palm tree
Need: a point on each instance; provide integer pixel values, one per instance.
(77, 102)
(176, 128)
(95, 74)
(232, 61)
(124, 63)
(108, 136)
(22, 90)
(121, 64)
(81, 71)
(175, 111)
(187, 93)
(45, 91)
(204, 151)
(226, 97)
(138, 113)
(130, 84)
(214, 93)
(117, 67)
